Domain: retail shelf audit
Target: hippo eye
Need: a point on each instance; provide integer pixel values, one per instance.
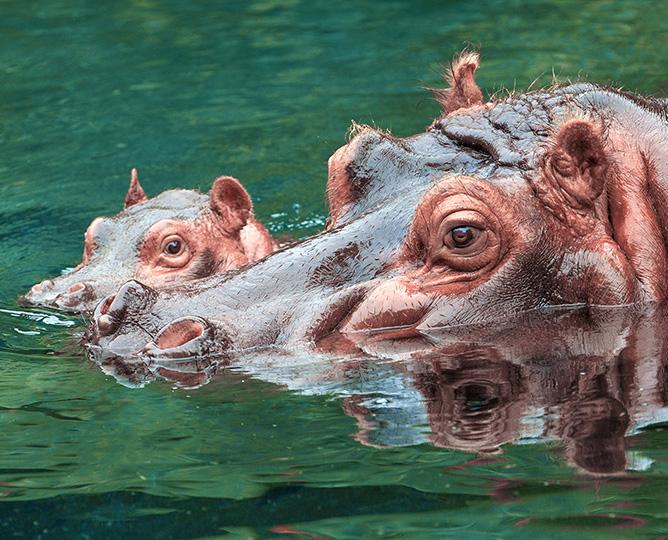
(461, 237)
(170, 249)
(464, 239)
(173, 246)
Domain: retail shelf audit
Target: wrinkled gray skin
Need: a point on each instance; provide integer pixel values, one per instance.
(115, 257)
(306, 295)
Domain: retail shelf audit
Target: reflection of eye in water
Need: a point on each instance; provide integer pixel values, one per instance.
(478, 409)
(468, 400)
(477, 398)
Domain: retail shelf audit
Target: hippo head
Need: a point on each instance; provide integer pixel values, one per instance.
(176, 236)
(544, 199)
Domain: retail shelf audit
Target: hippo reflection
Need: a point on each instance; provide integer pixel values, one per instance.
(588, 377)
(555, 197)
(177, 236)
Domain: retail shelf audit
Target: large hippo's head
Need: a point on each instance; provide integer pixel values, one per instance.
(548, 198)
(176, 236)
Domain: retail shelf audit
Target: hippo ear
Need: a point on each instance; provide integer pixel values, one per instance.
(231, 202)
(135, 194)
(578, 163)
(463, 91)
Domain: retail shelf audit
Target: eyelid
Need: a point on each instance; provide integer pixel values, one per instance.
(463, 218)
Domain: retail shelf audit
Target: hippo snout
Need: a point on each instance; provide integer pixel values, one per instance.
(118, 330)
(131, 298)
(76, 296)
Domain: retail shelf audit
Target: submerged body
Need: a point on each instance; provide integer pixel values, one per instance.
(554, 197)
(174, 237)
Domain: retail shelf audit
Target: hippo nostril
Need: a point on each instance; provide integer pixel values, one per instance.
(189, 337)
(179, 333)
(106, 324)
(46, 285)
(104, 306)
(76, 287)
(131, 298)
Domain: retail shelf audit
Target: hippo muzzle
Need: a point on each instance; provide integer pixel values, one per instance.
(186, 338)
(67, 294)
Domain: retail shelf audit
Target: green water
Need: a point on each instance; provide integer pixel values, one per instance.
(264, 91)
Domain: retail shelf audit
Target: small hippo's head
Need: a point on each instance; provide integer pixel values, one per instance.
(544, 199)
(176, 236)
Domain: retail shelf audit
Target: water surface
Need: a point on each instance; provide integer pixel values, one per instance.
(266, 91)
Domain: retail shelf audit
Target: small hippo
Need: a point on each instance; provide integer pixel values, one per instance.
(550, 198)
(176, 236)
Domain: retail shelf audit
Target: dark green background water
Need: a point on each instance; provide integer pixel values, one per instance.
(265, 91)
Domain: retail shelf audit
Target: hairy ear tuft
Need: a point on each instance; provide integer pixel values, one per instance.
(231, 203)
(135, 194)
(462, 91)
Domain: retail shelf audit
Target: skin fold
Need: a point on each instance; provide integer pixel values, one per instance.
(177, 236)
(555, 197)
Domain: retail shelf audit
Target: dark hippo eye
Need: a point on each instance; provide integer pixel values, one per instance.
(465, 241)
(173, 246)
(174, 251)
(464, 236)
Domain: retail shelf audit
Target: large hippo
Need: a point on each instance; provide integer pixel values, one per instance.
(176, 236)
(550, 198)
